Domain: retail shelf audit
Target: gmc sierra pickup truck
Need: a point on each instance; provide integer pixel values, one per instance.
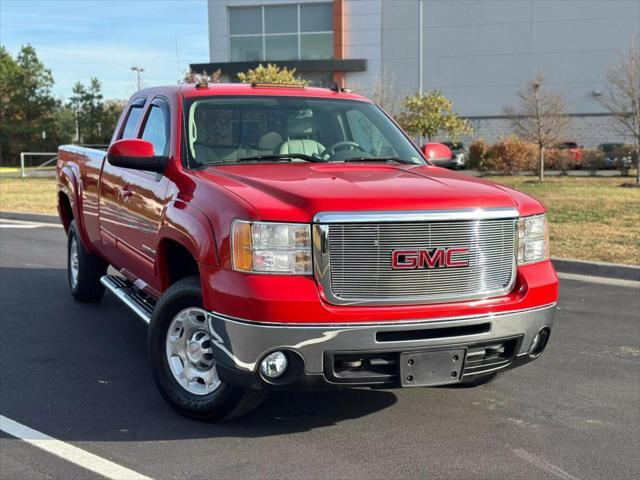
(287, 237)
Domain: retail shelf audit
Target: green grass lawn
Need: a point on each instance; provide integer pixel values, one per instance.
(591, 218)
(33, 195)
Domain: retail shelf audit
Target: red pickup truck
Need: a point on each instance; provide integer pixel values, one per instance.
(286, 237)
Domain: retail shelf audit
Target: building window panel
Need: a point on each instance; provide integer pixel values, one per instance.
(281, 47)
(246, 49)
(281, 32)
(316, 46)
(281, 19)
(316, 17)
(245, 20)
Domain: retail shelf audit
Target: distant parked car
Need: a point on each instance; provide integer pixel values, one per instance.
(458, 158)
(613, 154)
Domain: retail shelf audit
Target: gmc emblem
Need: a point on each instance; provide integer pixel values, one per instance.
(428, 258)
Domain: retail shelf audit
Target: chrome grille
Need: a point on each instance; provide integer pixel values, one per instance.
(359, 260)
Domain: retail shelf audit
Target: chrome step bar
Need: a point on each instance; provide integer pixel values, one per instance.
(130, 296)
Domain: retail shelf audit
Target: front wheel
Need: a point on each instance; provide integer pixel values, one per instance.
(181, 354)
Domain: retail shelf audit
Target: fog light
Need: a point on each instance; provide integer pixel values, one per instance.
(539, 342)
(274, 365)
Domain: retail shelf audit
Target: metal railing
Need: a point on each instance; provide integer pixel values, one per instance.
(43, 169)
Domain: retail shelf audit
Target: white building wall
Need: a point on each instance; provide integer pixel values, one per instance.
(363, 39)
(479, 53)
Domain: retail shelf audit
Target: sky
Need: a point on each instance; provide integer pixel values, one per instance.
(80, 39)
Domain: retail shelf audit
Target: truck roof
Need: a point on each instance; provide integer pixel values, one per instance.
(192, 90)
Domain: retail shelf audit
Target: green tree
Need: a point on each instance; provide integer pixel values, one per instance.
(86, 103)
(430, 114)
(110, 116)
(271, 74)
(27, 106)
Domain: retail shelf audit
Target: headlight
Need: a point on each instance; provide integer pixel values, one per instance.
(266, 247)
(533, 239)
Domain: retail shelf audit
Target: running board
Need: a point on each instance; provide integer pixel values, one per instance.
(141, 304)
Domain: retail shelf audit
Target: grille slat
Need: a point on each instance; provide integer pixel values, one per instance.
(360, 259)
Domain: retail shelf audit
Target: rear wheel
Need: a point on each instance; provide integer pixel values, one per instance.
(181, 354)
(84, 270)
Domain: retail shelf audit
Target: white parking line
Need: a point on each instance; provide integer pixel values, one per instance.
(24, 224)
(68, 452)
(542, 464)
(618, 282)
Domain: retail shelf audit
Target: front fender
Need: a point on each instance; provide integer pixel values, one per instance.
(191, 228)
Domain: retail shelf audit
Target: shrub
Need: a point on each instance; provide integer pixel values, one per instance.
(511, 155)
(625, 156)
(593, 160)
(555, 159)
(478, 155)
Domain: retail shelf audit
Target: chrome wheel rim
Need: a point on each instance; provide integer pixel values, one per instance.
(73, 262)
(189, 351)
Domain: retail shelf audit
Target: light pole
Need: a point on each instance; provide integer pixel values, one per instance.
(420, 46)
(138, 71)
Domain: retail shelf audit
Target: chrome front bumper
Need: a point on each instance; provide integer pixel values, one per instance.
(241, 345)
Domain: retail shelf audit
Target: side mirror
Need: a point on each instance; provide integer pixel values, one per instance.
(436, 151)
(136, 154)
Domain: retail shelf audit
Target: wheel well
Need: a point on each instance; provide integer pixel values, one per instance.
(66, 213)
(177, 262)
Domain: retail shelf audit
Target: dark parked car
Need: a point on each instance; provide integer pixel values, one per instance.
(613, 154)
(459, 156)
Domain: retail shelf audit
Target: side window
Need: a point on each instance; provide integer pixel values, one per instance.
(367, 135)
(130, 125)
(156, 130)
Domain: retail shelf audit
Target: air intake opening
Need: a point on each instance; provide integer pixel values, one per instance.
(432, 333)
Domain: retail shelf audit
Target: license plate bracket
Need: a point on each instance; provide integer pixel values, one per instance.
(431, 368)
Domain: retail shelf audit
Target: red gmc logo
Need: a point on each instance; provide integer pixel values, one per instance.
(428, 258)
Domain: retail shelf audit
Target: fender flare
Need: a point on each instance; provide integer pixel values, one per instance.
(190, 227)
(68, 185)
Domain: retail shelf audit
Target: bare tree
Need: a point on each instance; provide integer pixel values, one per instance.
(540, 117)
(622, 97)
(193, 77)
(385, 93)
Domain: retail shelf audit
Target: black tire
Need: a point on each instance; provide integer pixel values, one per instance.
(90, 268)
(224, 403)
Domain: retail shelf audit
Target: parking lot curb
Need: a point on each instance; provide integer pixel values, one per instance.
(30, 217)
(564, 265)
(597, 269)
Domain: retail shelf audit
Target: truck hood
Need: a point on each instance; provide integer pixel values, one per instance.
(298, 191)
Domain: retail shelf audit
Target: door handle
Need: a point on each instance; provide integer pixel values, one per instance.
(125, 192)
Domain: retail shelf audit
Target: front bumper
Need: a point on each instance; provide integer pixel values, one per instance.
(317, 353)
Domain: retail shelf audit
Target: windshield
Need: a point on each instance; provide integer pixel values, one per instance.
(227, 130)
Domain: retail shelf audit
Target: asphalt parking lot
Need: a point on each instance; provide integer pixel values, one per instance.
(79, 373)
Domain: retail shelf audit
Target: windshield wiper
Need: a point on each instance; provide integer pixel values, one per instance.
(379, 159)
(284, 156)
